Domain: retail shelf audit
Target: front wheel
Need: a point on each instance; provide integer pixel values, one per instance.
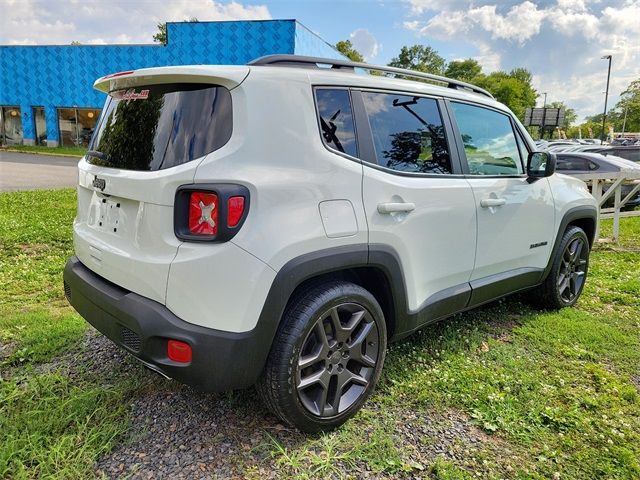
(568, 274)
(326, 358)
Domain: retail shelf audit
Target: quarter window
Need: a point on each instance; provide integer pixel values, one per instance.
(408, 133)
(489, 141)
(336, 120)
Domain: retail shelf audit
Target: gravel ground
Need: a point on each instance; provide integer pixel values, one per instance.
(177, 432)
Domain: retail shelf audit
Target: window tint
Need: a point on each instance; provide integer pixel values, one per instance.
(408, 133)
(489, 141)
(572, 163)
(632, 154)
(336, 120)
(161, 126)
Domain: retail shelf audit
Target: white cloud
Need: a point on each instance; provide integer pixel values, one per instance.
(559, 41)
(490, 60)
(30, 22)
(364, 41)
(519, 24)
(418, 7)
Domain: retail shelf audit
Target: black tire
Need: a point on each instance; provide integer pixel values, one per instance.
(568, 274)
(316, 381)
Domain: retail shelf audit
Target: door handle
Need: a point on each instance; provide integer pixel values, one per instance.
(492, 202)
(396, 207)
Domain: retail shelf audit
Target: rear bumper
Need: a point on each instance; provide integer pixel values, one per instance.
(221, 360)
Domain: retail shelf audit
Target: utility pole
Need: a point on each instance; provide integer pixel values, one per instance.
(606, 97)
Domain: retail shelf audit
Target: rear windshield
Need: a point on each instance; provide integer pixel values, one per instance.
(161, 126)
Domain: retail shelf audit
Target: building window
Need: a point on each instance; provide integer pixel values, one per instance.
(40, 125)
(10, 126)
(76, 125)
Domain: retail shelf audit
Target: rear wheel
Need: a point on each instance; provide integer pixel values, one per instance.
(568, 274)
(326, 358)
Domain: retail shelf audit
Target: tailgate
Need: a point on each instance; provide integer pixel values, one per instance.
(124, 233)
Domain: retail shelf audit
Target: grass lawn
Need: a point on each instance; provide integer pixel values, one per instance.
(549, 394)
(66, 151)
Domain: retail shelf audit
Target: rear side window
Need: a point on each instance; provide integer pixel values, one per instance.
(408, 133)
(572, 163)
(336, 120)
(161, 126)
(489, 140)
(632, 154)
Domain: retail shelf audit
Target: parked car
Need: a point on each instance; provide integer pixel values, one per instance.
(627, 152)
(280, 223)
(631, 153)
(574, 163)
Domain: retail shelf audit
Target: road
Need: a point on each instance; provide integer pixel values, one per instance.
(26, 171)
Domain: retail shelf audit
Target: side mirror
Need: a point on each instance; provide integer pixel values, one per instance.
(541, 164)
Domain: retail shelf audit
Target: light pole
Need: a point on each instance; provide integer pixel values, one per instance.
(606, 97)
(544, 105)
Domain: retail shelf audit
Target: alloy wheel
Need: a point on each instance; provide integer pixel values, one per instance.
(337, 360)
(573, 267)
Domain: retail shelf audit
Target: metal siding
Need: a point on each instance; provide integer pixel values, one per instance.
(62, 76)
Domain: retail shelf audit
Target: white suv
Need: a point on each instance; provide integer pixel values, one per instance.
(279, 223)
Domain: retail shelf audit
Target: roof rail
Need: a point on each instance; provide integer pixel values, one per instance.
(314, 62)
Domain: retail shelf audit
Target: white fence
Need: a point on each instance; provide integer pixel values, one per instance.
(613, 182)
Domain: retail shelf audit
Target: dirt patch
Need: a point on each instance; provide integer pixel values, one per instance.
(447, 435)
(7, 349)
(32, 249)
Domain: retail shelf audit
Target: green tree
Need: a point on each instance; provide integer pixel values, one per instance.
(629, 103)
(465, 70)
(570, 115)
(514, 89)
(161, 36)
(421, 58)
(346, 48)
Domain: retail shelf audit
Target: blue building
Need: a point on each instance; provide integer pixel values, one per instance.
(47, 95)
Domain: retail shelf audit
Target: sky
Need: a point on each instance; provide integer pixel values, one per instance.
(560, 42)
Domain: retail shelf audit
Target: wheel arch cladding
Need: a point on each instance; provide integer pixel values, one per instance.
(584, 217)
(375, 268)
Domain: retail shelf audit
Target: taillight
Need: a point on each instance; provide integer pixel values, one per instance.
(203, 213)
(235, 209)
(210, 212)
(179, 351)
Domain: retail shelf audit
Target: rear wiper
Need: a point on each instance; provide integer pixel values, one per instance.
(97, 154)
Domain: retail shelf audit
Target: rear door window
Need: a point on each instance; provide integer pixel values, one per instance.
(161, 126)
(336, 120)
(408, 133)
